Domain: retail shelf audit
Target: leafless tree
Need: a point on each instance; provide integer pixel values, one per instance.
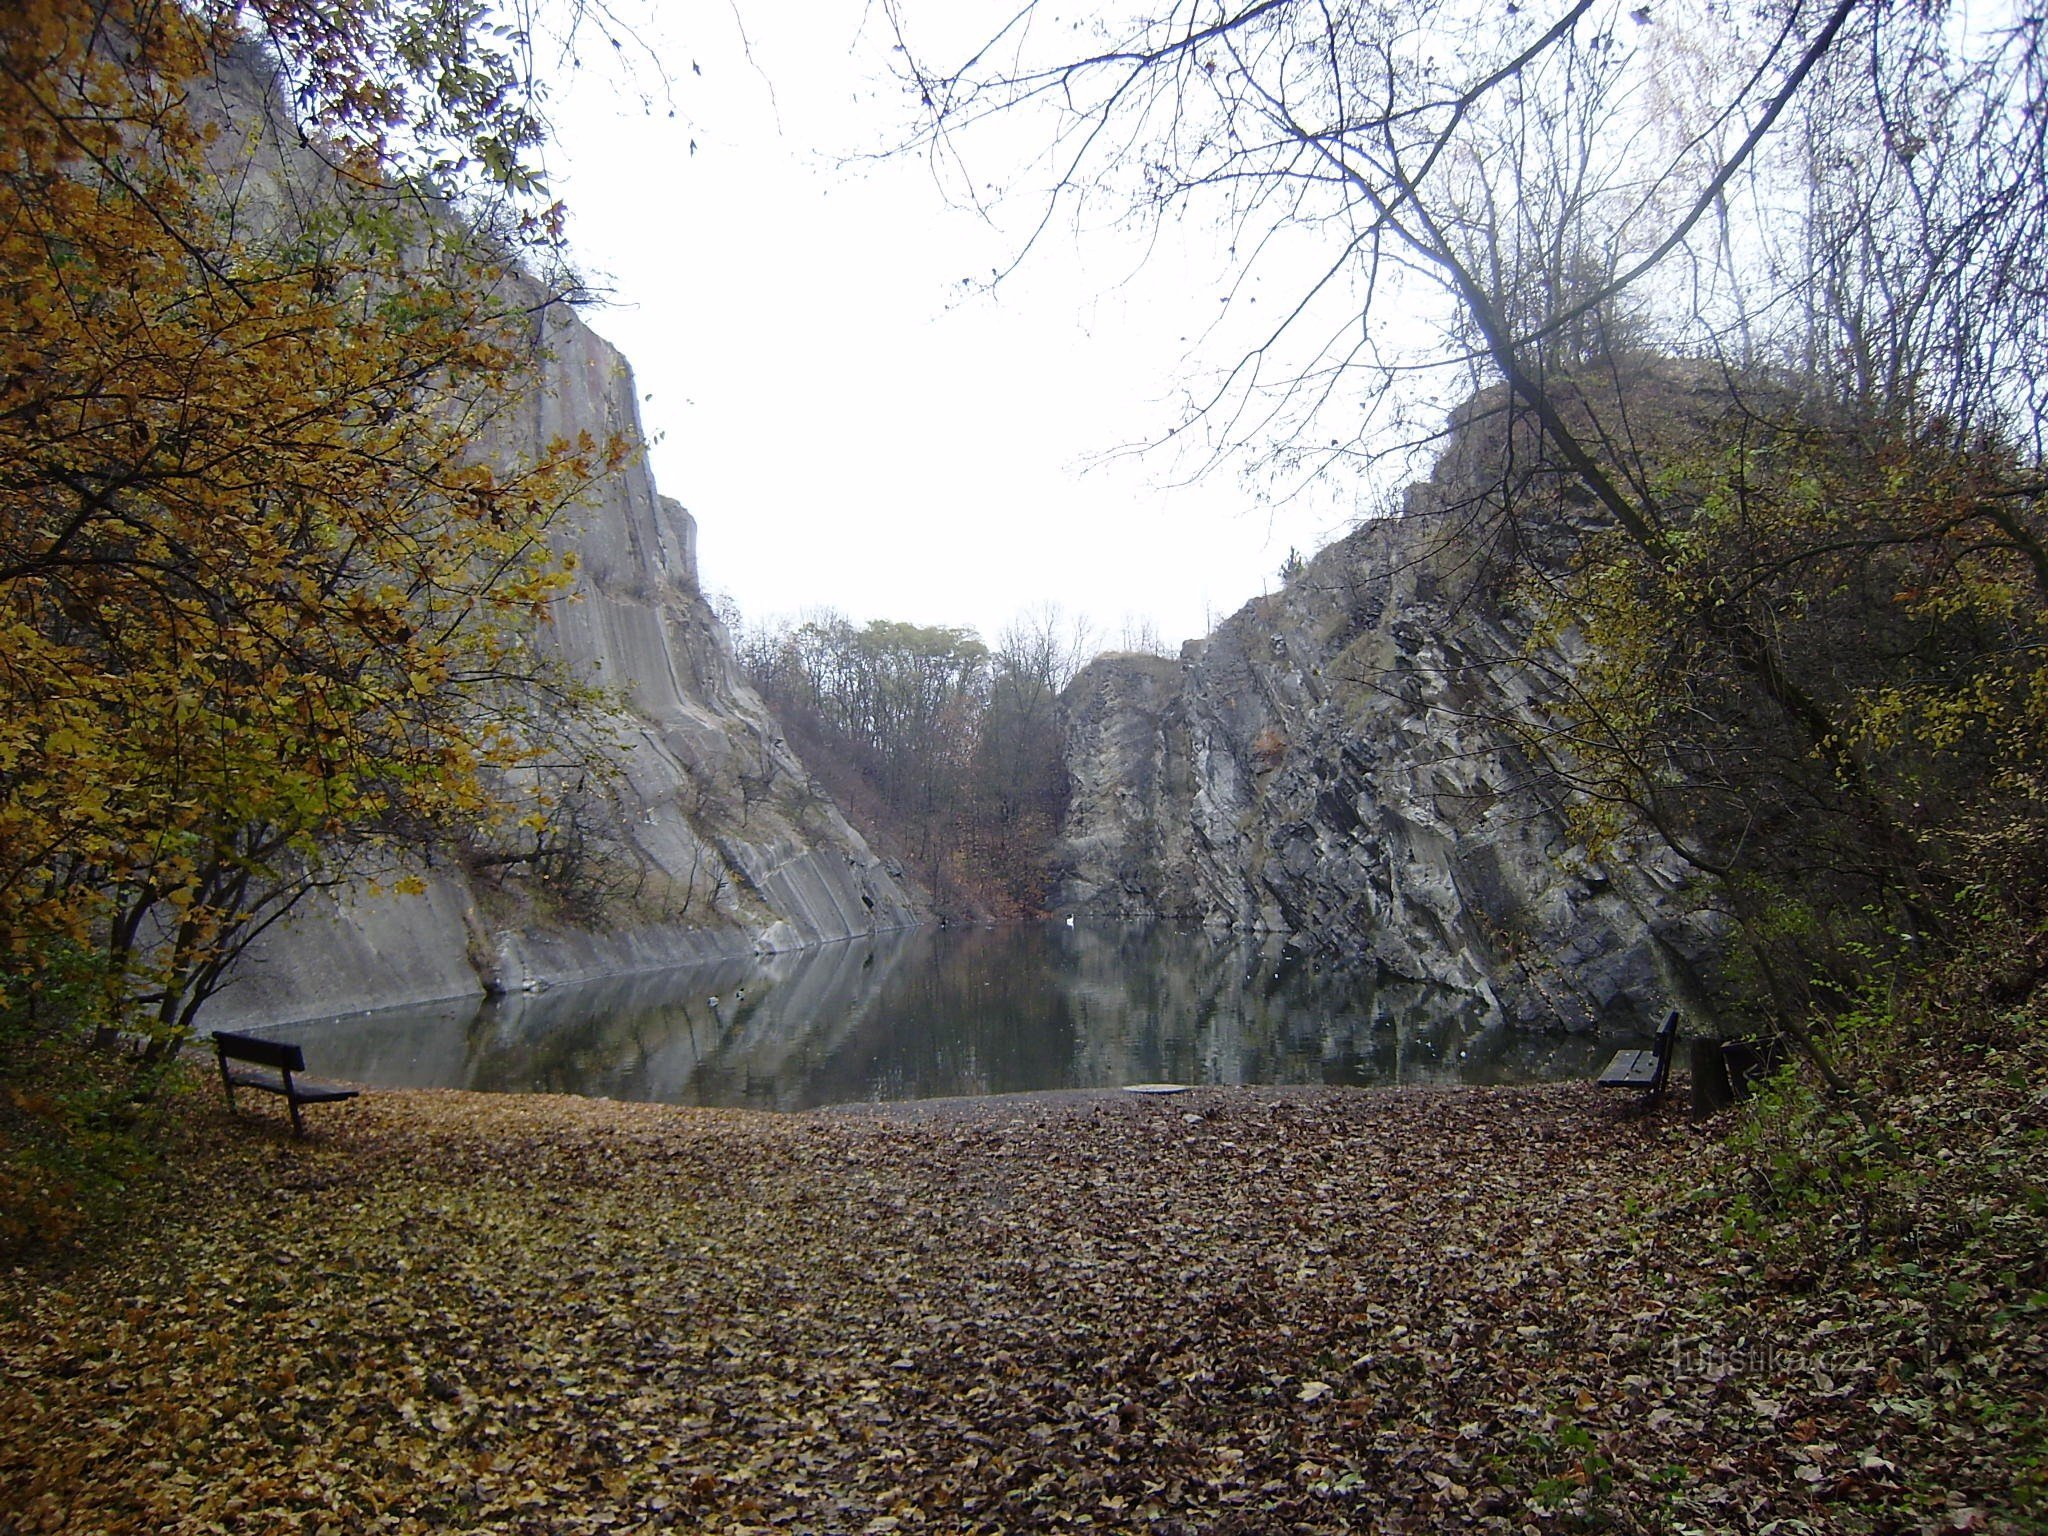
(1587, 218)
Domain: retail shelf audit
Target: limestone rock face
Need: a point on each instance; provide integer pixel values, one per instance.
(1335, 764)
(714, 839)
(710, 838)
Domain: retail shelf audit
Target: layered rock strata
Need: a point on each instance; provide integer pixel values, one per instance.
(1341, 762)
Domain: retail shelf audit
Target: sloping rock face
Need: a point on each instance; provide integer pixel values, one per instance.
(719, 814)
(714, 840)
(711, 840)
(1338, 764)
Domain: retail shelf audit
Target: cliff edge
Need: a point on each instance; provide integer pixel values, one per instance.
(1339, 763)
(699, 835)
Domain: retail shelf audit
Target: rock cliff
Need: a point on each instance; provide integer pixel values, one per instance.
(713, 841)
(1337, 763)
(710, 839)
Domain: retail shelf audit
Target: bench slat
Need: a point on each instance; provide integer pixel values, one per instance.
(1630, 1069)
(321, 1093)
(246, 1077)
(278, 1054)
(305, 1091)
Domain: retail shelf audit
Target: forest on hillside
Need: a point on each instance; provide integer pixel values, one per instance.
(946, 752)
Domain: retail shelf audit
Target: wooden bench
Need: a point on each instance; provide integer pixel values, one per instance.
(273, 1068)
(1648, 1070)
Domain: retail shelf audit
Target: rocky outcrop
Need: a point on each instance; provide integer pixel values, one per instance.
(712, 841)
(708, 838)
(1339, 763)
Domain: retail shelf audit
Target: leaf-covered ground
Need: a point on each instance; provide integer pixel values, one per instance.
(1226, 1311)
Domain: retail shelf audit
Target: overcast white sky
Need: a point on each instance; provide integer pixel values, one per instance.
(851, 425)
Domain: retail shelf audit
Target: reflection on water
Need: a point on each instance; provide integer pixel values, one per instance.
(940, 1012)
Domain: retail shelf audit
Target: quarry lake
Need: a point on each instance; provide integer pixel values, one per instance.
(939, 1012)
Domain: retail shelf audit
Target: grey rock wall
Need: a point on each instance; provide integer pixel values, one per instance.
(1334, 765)
(713, 840)
(718, 840)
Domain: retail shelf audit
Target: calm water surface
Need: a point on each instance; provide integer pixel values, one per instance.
(933, 1013)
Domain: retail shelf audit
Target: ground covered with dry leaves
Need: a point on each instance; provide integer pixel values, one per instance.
(1229, 1310)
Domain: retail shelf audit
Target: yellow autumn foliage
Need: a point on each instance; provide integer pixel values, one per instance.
(1896, 589)
(261, 582)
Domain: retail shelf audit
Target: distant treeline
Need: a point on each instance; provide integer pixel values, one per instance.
(945, 752)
